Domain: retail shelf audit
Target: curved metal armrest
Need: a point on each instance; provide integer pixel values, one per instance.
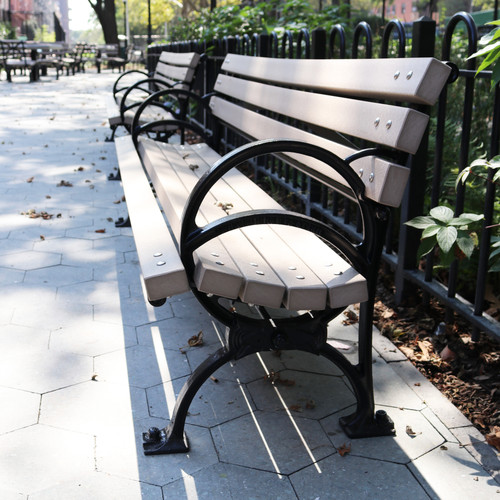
(190, 241)
(179, 124)
(171, 92)
(130, 71)
(193, 236)
(139, 85)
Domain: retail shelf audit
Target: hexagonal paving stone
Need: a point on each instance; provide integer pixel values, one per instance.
(313, 395)
(94, 258)
(59, 275)
(94, 408)
(133, 311)
(272, 442)
(248, 369)
(90, 292)
(415, 436)
(157, 469)
(32, 372)
(307, 362)
(99, 230)
(142, 366)
(223, 481)
(17, 339)
(51, 315)
(99, 485)
(26, 261)
(350, 477)
(9, 246)
(450, 472)
(37, 457)
(11, 276)
(119, 243)
(175, 332)
(23, 409)
(63, 245)
(18, 294)
(216, 402)
(92, 338)
(390, 390)
(34, 233)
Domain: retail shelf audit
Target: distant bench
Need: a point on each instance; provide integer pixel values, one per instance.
(172, 70)
(276, 278)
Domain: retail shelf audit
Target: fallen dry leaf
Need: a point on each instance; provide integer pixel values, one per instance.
(65, 184)
(196, 340)
(295, 408)
(344, 449)
(493, 439)
(30, 179)
(411, 432)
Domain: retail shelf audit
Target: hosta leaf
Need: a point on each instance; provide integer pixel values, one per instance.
(495, 75)
(430, 231)
(466, 245)
(445, 237)
(420, 222)
(443, 214)
(485, 50)
(495, 253)
(495, 268)
(465, 219)
(426, 246)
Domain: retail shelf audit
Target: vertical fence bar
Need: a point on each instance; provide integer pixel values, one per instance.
(424, 37)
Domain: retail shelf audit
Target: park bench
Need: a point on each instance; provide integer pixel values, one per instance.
(133, 87)
(15, 57)
(274, 277)
(109, 54)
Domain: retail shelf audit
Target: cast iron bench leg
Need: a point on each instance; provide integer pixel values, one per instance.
(172, 439)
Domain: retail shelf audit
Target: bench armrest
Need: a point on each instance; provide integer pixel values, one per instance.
(117, 89)
(180, 95)
(193, 236)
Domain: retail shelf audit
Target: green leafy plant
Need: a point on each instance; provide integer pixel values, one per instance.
(491, 51)
(454, 236)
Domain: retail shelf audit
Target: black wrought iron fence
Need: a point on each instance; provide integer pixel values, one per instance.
(465, 125)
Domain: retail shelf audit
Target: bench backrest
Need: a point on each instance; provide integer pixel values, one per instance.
(177, 69)
(308, 99)
(13, 50)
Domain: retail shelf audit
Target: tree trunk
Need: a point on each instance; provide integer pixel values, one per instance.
(106, 14)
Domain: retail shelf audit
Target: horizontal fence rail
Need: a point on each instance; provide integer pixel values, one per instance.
(453, 141)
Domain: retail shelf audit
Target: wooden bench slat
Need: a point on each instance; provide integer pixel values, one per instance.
(153, 240)
(266, 289)
(288, 262)
(228, 280)
(385, 181)
(190, 59)
(393, 126)
(416, 80)
(278, 253)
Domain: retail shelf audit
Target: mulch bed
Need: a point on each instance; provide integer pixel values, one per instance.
(466, 371)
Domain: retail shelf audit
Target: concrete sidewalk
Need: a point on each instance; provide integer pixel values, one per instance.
(86, 365)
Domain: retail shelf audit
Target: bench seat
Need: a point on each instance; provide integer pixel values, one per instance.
(273, 266)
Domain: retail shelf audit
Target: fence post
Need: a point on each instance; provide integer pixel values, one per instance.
(318, 42)
(318, 51)
(423, 45)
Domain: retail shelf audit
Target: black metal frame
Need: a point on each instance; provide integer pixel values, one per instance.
(305, 331)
